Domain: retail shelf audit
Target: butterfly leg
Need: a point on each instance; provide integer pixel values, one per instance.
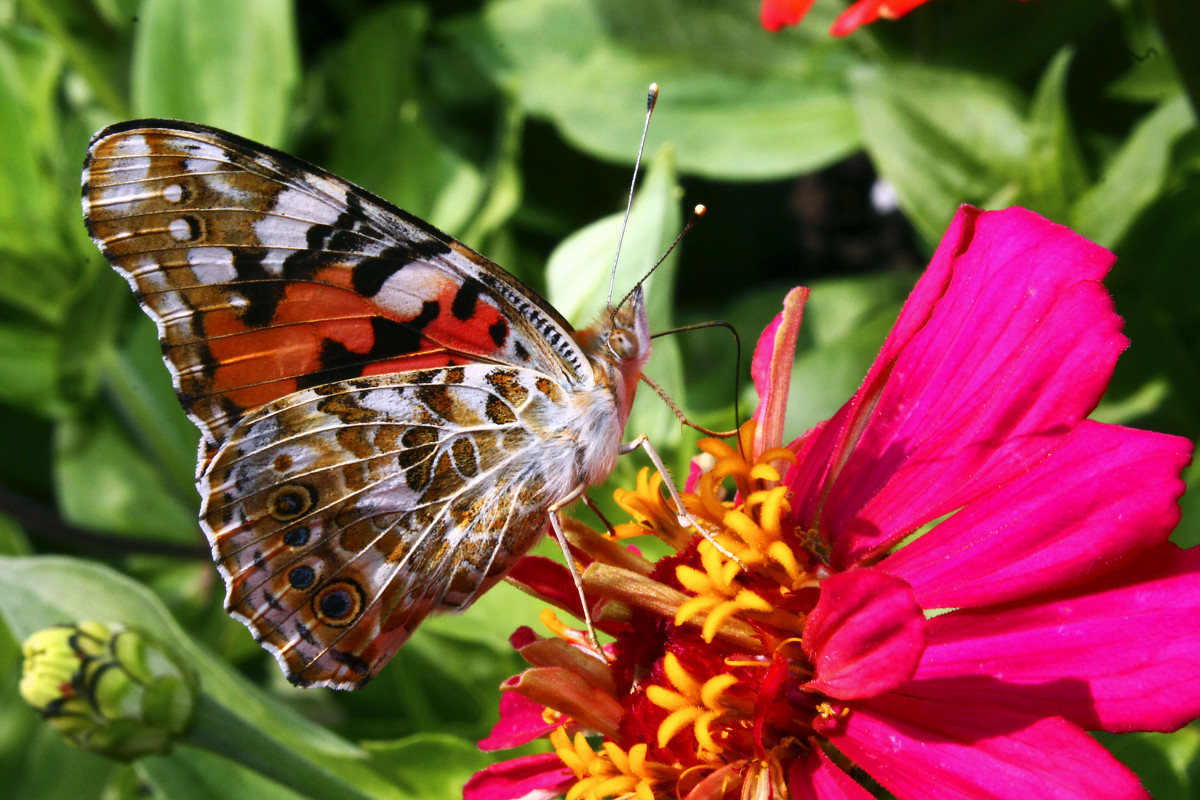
(561, 537)
(685, 519)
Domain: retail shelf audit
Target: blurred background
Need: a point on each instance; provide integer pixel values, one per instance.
(513, 125)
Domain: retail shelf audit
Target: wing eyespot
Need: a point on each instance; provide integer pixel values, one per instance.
(290, 502)
(339, 603)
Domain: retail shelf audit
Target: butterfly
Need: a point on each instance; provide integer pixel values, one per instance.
(389, 420)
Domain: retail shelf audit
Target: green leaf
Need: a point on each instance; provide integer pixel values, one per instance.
(1055, 173)
(105, 482)
(220, 62)
(386, 140)
(1187, 534)
(1134, 177)
(193, 774)
(29, 366)
(30, 70)
(736, 103)
(941, 137)
(1164, 762)
(430, 766)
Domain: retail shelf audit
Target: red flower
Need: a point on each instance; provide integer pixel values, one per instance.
(951, 580)
(776, 14)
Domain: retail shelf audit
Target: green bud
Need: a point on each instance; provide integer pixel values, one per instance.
(107, 689)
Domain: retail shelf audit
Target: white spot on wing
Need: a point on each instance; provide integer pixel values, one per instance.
(302, 205)
(212, 264)
(180, 229)
(406, 292)
(173, 193)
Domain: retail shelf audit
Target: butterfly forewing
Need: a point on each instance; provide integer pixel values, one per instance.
(267, 275)
(388, 419)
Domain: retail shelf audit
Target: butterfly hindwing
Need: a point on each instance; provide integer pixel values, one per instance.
(341, 516)
(267, 275)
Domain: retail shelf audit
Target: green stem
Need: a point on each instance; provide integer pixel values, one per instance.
(220, 731)
(1178, 23)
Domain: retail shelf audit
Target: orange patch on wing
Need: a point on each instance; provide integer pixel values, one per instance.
(257, 365)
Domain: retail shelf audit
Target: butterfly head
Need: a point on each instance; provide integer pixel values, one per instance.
(618, 345)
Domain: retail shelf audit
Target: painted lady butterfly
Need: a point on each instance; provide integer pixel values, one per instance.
(389, 420)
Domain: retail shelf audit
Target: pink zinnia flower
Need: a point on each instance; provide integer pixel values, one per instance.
(777, 14)
(941, 588)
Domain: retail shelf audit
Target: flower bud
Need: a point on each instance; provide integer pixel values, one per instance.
(107, 689)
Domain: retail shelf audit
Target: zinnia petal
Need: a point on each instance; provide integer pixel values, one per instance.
(1006, 342)
(865, 635)
(521, 721)
(1106, 492)
(538, 777)
(865, 12)
(1121, 654)
(922, 749)
(818, 778)
(775, 14)
(772, 370)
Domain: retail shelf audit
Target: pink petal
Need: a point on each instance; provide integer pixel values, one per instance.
(521, 721)
(772, 370)
(865, 635)
(1106, 492)
(775, 14)
(548, 580)
(1004, 345)
(928, 749)
(1120, 654)
(538, 777)
(818, 778)
(695, 471)
(571, 695)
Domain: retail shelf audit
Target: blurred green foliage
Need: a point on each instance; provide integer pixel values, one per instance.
(513, 124)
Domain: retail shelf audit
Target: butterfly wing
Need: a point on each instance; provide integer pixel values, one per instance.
(341, 516)
(360, 380)
(267, 275)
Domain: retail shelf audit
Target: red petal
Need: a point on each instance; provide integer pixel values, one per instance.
(818, 778)
(1005, 344)
(549, 580)
(1121, 654)
(538, 777)
(772, 370)
(865, 635)
(1106, 492)
(923, 749)
(867, 11)
(861, 13)
(775, 14)
(521, 721)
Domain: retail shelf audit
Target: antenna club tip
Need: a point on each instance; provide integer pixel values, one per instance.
(651, 97)
(700, 210)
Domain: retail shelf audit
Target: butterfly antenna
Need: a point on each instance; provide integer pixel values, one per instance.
(697, 212)
(651, 99)
(737, 379)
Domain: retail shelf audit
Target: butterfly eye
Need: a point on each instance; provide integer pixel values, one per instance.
(622, 344)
